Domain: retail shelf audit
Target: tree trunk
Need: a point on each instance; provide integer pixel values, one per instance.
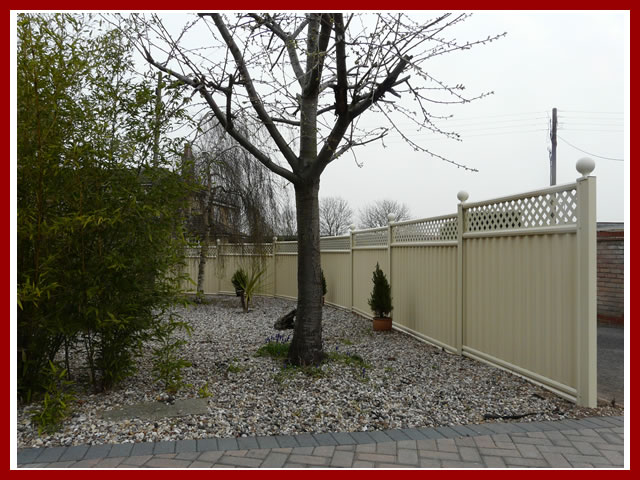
(306, 346)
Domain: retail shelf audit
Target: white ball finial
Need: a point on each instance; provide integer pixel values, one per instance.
(462, 196)
(352, 227)
(391, 217)
(585, 166)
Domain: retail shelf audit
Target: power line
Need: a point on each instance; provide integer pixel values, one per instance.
(592, 154)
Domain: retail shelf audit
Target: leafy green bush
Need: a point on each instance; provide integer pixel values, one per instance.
(99, 203)
(56, 400)
(167, 362)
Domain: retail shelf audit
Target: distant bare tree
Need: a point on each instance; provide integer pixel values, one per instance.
(377, 213)
(335, 216)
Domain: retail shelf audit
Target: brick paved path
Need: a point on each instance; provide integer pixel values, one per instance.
(586, 443)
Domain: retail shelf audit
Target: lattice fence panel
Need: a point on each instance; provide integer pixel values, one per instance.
(291, 247)
(373, 238)
(544, 210)
(246, 249)
(194, 252)
(335, 243)
(429, 230)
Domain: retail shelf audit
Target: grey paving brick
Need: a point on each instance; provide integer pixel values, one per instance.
(529, 451)
(239, 461)
(438, 455)
(267, 442)
(379, 436)
(187, 455)
(387, 448)
(207, 444)
(465, 442)
(324, 439)
(211, 456)
(530, 426)
(478, 429)
(302, 450)
(258, 453)
(587, 423)
(396, 434)
(571, 424)
(494, 462)
(228, 444)
(342, 459)
(74, 453)
(28, 455)
(247, 443)
(411, 444)
(136, 460)
(164, 447)
(343, 438)
(407, 456)
(556, 460)
(430, 433)
(286, 441)
(592, 459)
(307, 440)
(186, 446)
(110, 462)
(501, 452)
(361, 437)
(532, 441)
(609, 437)
(430, 463)
(585, 448)
(138, 449)
(616, 458)
(363, 464)
(376, 457)
(505, 427)
(50, 454)
(605, 422)
(66, 464)
(455, 464)
(158, 462)
(447, 432)
(469, 454)
(446, 445)
(309, 460)
(464, 431)
(324, 451)
(86, 463)
(274, 460)
(120, 450)
(413, 434)
(526, 462)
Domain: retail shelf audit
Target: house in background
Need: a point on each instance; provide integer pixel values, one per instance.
(610, 273)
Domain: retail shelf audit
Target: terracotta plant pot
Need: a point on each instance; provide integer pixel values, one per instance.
(382, 323)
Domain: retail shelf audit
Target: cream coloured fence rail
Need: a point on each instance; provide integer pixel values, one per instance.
(508, 281)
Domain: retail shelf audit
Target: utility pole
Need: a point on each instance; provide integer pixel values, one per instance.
(554, 143)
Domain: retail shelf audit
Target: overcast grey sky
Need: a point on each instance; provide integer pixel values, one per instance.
(575, 61)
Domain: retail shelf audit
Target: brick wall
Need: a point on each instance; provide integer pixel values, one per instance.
(611, 277)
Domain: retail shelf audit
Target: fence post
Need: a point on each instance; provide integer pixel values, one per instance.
(218, 263)
(352, 229)
(390, 218)
(273, 251)
(462, 197)
(587, 347)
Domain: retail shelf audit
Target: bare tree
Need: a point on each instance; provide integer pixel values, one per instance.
(377, 214)
(335, 216)
(318, 73)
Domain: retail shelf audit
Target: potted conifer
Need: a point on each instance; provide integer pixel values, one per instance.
(380, 301)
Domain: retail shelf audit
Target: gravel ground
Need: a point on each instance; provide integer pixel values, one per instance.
(405, 383)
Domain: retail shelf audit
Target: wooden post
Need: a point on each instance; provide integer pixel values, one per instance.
(586, 322)
(462, 197)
